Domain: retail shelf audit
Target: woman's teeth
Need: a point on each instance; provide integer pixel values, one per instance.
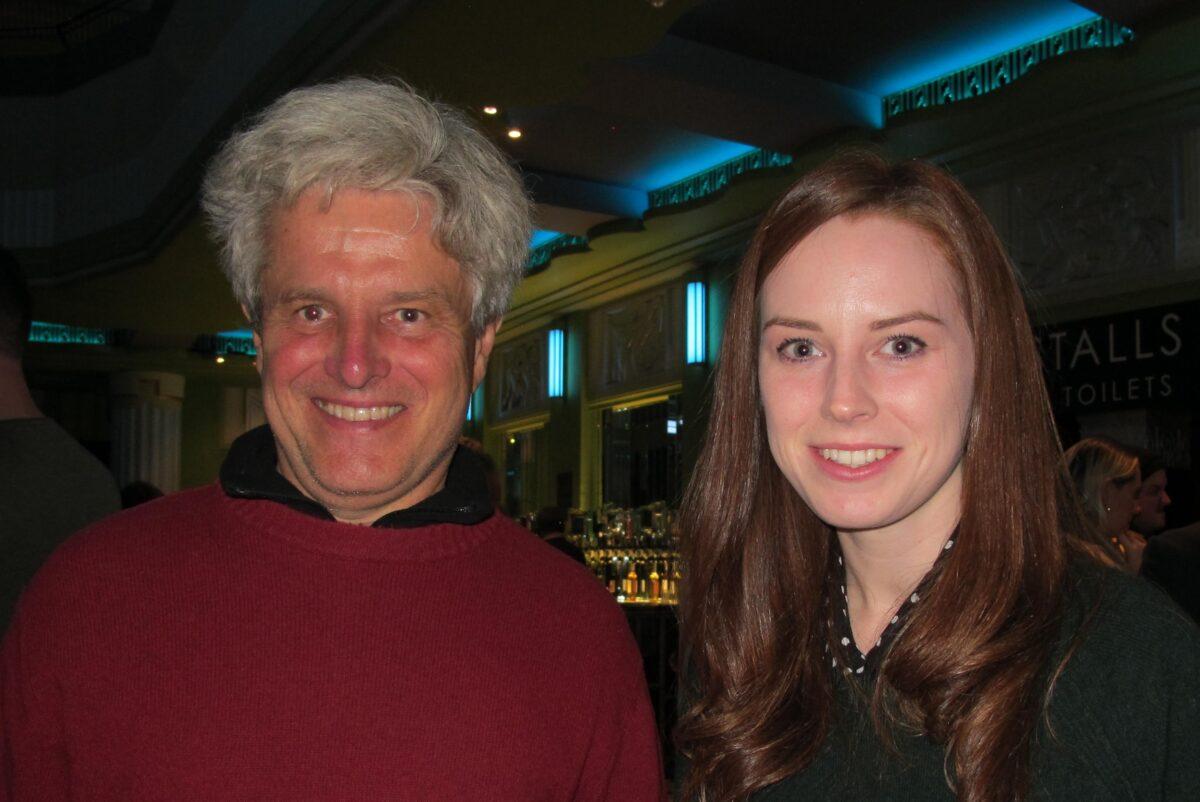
(855, 459)
(359, 413)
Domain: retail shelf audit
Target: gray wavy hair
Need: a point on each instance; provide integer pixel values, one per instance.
(371, 135)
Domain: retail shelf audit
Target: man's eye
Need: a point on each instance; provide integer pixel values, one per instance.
(410, 315)
(902, 346)
(312, 314)
(798, 349)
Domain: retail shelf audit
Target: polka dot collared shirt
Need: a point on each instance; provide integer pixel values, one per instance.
(846, 655)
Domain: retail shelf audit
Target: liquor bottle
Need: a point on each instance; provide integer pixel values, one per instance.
(631, 582)
(655, 584)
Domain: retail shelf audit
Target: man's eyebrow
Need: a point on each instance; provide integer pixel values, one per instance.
(418, 295)
(296, 294)
(900, 320)
(791, 323)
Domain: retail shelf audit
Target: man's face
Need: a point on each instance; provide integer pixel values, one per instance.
(366, 351)
(1152, 501)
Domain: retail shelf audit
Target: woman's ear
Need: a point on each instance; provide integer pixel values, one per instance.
(1108, 492)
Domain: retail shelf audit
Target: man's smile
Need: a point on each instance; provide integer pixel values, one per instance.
(358, 413)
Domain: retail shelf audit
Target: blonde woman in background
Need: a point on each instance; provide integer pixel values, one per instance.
(1107, 477)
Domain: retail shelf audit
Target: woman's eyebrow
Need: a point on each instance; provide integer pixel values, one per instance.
(900, 320)
(791, 323)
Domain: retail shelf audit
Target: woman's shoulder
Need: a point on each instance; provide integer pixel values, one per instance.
(1124, 709)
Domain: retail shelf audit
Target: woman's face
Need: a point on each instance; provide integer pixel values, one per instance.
(1121, 504)
(866, 370)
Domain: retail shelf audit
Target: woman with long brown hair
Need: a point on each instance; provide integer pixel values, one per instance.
(882, 600)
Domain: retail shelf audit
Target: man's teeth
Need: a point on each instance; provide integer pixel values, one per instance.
(855, 459)
(359, 413)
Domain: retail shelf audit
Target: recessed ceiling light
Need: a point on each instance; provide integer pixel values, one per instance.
(490, 110)
(514, 133)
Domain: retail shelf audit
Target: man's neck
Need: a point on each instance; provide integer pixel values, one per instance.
(15, 400)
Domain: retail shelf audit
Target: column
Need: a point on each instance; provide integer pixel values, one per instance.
(146, 414)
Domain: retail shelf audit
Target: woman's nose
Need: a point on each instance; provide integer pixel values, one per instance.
(848, 396)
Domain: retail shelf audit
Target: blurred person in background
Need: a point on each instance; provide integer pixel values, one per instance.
(1108, 479)
(52, 486)
(1152, 499)
(1171, 558)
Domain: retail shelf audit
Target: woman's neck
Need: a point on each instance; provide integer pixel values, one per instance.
(885, 565)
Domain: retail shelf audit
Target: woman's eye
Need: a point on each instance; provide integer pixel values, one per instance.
(798, 349)
(902, 346)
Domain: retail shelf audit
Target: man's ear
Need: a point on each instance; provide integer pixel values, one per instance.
(483, 350)
(255, 327)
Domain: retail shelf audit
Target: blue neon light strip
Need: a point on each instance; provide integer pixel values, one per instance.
(238, 341)
(471, 407)
(59, 334)
(1002, 69)
(541, 255)
(554, 363)
(541, 236)
(695, 323)
(716, 178)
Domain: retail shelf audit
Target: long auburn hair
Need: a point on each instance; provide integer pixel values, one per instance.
(968, 667)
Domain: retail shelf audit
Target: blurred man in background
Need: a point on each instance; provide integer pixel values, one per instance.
(52, 486)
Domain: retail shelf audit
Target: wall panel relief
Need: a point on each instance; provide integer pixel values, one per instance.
(1100, 214)
(518, 375)
(636, 342)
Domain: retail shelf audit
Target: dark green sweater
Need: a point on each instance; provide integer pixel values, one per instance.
(1125, 713)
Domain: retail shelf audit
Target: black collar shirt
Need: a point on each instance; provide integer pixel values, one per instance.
(250, 472)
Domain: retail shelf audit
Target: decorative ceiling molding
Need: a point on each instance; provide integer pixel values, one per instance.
(540, 256)
(1000, 70)
(714, 179)
(59, 334)
(677, 196)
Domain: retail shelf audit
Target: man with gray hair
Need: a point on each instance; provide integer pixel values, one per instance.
(344, 615)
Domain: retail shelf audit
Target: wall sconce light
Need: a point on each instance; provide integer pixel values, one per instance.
(696, 324)
(555, 356)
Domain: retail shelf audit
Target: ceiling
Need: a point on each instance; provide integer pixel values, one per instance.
(109, 110)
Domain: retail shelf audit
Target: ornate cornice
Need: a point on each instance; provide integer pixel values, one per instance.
(59, 334)
(540, 256)
(714, 179)
(1001, 70)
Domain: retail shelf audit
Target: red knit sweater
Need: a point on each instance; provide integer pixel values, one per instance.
(202, 647)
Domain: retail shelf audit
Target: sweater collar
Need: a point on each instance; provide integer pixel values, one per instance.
(249, 472)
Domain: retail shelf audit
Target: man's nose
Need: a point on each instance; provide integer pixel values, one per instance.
(357, 355)
(848, 394)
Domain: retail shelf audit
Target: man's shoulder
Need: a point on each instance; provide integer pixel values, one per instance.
(44, 461)
(156, 528)
(547, 573)
(1185, 539)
